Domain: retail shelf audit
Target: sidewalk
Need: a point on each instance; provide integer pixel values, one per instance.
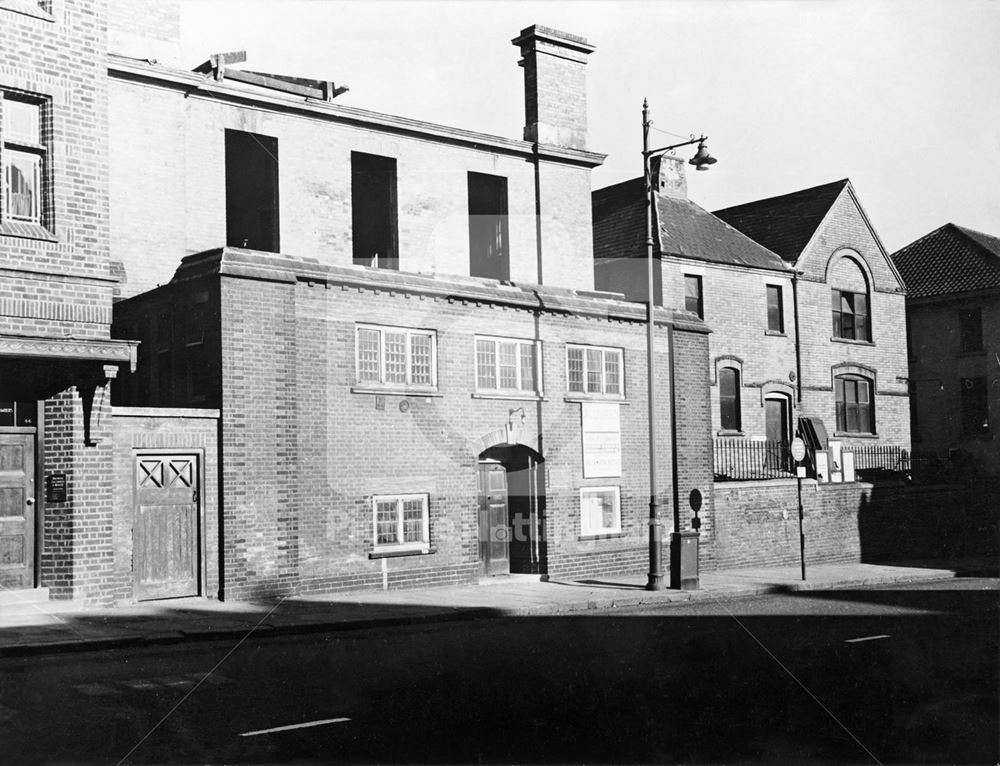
(52, 626)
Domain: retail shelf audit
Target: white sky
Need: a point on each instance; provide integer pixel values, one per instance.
(902, 97)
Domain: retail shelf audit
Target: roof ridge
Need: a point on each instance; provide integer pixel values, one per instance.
(842, 183)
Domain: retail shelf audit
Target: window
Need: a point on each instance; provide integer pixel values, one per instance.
(600, 511)
(488, 236)
(24, 158)
(197, 359)
(970, 328)
(729, 399)
(396, 356)
(850, 315)
(373, 211)
(775, 309)
(594, 370)
(251, 191)
(855, 408)
(975, 407)
(400, 523)
(692, 295)
(507, 365)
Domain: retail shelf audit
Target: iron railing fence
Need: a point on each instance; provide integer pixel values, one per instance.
(749, 459)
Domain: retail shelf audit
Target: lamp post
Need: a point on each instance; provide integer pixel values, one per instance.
(702, 160)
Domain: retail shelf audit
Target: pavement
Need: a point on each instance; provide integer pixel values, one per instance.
(31, 627)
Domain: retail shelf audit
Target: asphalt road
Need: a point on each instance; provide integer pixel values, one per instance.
(901, 675)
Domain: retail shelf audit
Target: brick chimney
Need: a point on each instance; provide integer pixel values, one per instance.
(669, 176)
(555, 86)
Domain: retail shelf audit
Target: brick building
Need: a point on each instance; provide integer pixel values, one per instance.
(396, 323)
(952, 278)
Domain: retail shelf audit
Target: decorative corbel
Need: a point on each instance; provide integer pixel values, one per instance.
(93, 391)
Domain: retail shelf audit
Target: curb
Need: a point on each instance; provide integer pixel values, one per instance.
(268, 630)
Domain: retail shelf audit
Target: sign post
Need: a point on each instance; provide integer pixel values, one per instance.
(798, 453)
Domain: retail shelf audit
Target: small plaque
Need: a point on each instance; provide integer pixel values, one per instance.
(55, 488)
(6, 413)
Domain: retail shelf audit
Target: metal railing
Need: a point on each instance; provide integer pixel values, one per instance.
(880, 461)
(749, 459)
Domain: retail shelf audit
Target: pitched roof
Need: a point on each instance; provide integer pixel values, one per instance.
(785, 224)
(686, 230)
(951, 259)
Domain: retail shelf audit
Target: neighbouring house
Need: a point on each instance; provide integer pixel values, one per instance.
(396, 324)
(952, 278)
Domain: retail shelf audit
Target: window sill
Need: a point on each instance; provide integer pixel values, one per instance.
(396, 554)
(851, 341)
(853, 435)
(588, 537)
(27, 7)
(594, 398)
(776, 333)
(26, 230)
(729, 432)
(395, 391)
(512, 396)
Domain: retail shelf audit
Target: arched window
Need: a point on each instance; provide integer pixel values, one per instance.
(850, 301)
(729, 399)
(855, 404)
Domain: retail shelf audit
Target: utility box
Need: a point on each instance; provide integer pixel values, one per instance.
(684, 560)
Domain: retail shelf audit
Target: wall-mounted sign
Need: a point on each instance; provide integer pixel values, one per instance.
(602, 439)
(848, 458)
(55, 488)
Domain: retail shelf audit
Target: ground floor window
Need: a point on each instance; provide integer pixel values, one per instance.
(600, 510)
(855, 411)
(400, 522)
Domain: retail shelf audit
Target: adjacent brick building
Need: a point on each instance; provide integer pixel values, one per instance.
(952, 278)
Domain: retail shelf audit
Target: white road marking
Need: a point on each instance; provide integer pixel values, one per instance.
(306, 725)
(865, 638)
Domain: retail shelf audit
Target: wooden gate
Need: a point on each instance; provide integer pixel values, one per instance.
(494, 531)
(17, 510)
(166, 534)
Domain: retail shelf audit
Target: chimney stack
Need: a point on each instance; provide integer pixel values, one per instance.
(555, 86)
(668, 175)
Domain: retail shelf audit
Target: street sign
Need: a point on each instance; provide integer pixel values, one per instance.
(798, 449)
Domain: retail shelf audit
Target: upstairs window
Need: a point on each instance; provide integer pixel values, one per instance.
(970, 330)
(373, 211)
(396, 357)
(251, 191)
(975, 407)
(855, 407)
(775, 309)
(850, 299)
(693, 302)
(595, 371)
(488, 229)
(24, 159)
(729, 399)
(505, 365)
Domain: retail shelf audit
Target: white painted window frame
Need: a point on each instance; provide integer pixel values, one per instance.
(423, 545)
(587, 531)
(410, 333)
(605, 350)
(520, 391)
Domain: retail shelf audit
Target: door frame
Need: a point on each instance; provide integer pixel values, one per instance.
(34, 526)
(483, 509)
(199, 454)
(786, 408)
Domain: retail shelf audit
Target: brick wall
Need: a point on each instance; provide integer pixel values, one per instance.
(146, 29)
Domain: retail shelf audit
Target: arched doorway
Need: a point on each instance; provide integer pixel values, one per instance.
(511, 511)
(777, 428)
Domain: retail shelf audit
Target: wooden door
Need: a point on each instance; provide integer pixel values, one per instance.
(17, 510)
(776, 431)
(166, 531)
(494, 535)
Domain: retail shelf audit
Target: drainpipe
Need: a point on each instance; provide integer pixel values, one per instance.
(798, 347)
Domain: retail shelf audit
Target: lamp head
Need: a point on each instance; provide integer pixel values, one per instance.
(702, 160)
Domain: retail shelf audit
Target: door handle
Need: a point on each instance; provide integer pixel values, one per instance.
(30, 501)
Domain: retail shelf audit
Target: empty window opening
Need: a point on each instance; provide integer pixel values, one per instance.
(251, 191)
(488, 235)
(373, 211)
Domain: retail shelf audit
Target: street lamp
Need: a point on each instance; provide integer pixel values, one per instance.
(702, 160)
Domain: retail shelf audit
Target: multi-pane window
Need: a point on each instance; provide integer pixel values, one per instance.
(775, 309)
(600, 511)
(23, 159)
(503, 364)
(594, 370)
(970, 327)
(729, 399)
(396, 356)
(975, 406)
(850, 315)
(692, 295)
(400, 522)
(855, 408)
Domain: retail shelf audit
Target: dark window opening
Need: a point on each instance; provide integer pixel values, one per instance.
(850, 315)
(489, 255)
(970, 325)
(975, 407)
(373, 211)
(855, 406)
(729, 399)
(775, 309)
(251, 191)
(692, 295)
